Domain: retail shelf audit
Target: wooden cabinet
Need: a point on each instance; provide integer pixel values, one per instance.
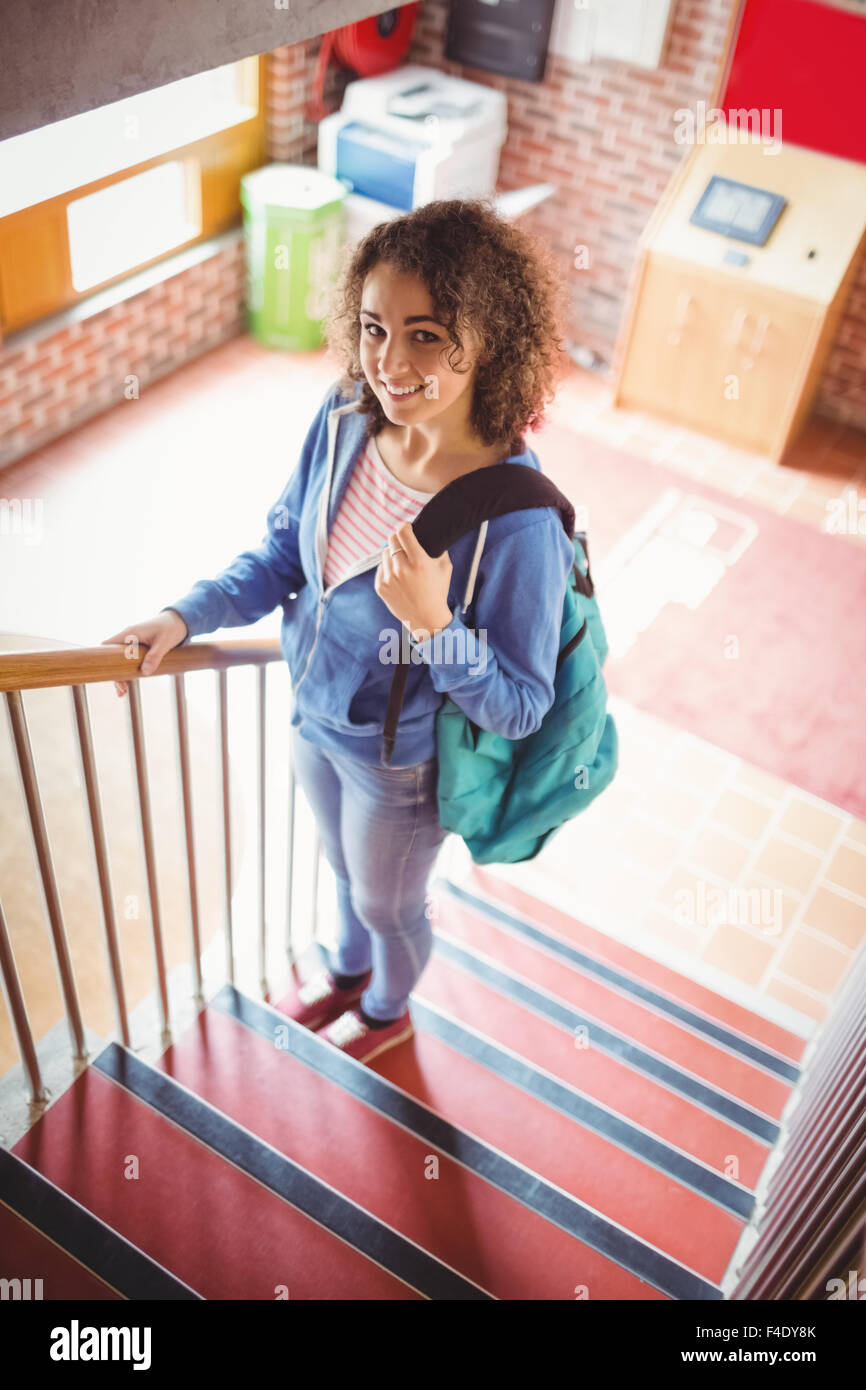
(736, 352)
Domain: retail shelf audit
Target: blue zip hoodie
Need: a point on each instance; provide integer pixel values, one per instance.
(340, 643)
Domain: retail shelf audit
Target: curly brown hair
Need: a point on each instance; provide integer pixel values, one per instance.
(481, 272)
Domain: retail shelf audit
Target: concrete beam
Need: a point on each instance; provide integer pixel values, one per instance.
(62, 57)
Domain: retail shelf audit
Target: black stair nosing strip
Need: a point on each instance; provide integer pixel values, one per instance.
(312, 1196)
(720, 1033)
(544, 1198)
(631, 1138)
(630, 1053)
(85, 1237)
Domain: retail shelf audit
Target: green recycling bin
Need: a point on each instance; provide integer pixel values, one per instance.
(294, 228)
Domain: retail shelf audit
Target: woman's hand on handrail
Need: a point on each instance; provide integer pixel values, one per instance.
(160, 634)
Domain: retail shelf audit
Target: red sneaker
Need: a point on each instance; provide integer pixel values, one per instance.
(356, 1038)
(320, 1000)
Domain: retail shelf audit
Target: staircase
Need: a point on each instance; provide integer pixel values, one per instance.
(571, 1120)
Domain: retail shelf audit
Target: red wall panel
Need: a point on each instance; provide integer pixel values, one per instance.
(809, 60)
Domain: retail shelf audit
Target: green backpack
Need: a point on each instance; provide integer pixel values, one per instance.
(507, 797)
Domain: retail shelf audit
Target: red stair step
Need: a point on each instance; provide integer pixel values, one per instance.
(25, 1253)
(653, 1206)
(640, 1099)
(666, 1037)
(212, 1225)
(606, 948)
(463, 1220)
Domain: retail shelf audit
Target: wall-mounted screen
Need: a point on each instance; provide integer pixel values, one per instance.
(738, 210)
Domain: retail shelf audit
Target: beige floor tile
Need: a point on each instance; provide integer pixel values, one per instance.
(777, 482)
(702, 902)
(718, 853)
(795, 998)
(809, 961)
(745, 459)
(805, 820)
(736, 811)
(755, 779)
(807, 509)
(791, 865)
(771, 909)
(734, 950)
(836, 916)
(683, 886)
(856, 831)
(847, 869)
(770, 497)
(728, 477)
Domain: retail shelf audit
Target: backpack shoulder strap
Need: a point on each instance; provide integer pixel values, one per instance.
(459, 507)
(464, 503)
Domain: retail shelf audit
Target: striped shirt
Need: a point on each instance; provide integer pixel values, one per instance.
(373, 505)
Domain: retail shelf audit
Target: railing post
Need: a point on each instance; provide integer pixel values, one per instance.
(77, 667)
(186, 792)
(290, 856)
(317, 854)
(30, 787)
(149, 855)
(18, 1014)
(88, 767)
(227, 826)
(261, 730)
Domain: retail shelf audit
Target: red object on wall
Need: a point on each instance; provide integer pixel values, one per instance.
(806, 59)
(368, 47)
(373, 46)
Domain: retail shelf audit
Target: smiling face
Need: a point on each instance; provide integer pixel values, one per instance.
(402, 345)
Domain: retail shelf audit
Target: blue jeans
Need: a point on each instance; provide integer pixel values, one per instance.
(380, 831)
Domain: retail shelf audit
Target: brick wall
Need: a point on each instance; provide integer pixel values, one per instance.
(601, 132)
(60, 377)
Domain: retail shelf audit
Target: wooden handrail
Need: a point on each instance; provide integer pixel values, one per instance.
(40, 670)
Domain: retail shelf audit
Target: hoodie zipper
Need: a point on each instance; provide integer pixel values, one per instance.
(321, 547)
(320, 608)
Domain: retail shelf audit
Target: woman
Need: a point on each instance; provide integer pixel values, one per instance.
(445, 320)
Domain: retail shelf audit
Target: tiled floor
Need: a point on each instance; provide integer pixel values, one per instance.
(825, 465)
(717, 868)
(722, 871)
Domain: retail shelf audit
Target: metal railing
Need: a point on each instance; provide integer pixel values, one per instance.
(814, 1208)
(76, 668)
